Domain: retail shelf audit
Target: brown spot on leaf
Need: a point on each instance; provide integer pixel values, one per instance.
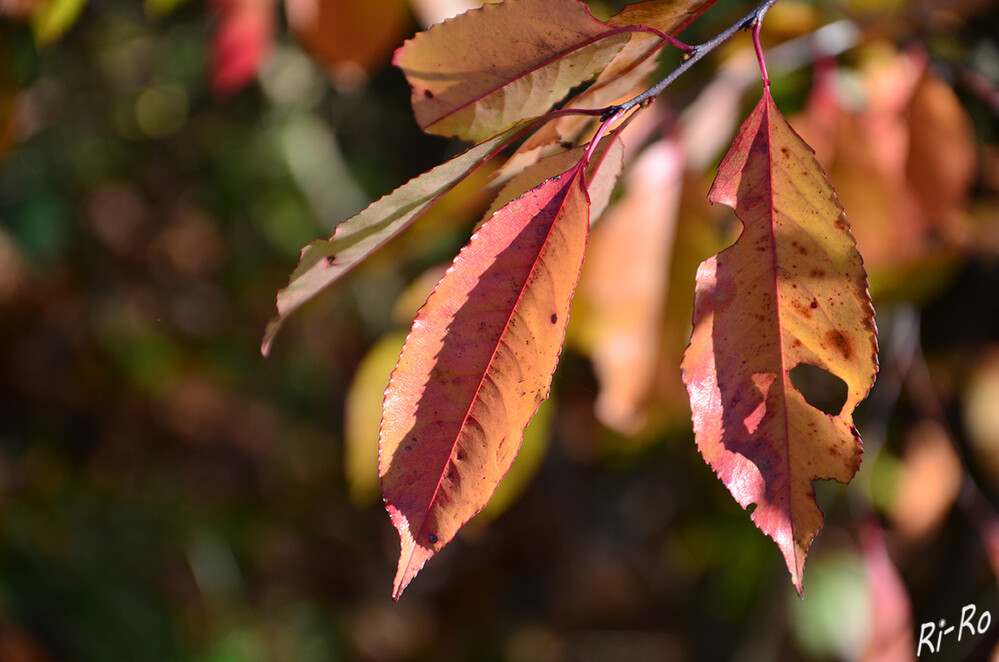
(330, 259)
(817, 273)
(428, 94)
(840, 342)
(814, 304)
(554, 318)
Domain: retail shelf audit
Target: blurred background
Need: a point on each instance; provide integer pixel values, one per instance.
(167, 494)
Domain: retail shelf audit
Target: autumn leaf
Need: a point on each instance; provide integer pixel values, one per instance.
(325, 260)
(476, 365)
(929, 484)
(362, 416)
(662, 16)
(19, 10)
(242, 39)
(481, 72)
(602, 172)
(792, 290)
(351, 38)
(668, 16)
(891, 626)
(633, 246)
(52, 19)
(903, 163)
(941, 162)
(8, 101)
(627, 74)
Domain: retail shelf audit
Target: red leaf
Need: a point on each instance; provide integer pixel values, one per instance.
(476, 364)
(791, 291)
(891, 628)
(242, 40)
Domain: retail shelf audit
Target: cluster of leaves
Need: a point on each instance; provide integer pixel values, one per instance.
(480, 356)
(145, 222)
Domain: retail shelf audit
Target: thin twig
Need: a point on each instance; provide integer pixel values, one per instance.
(750, 20)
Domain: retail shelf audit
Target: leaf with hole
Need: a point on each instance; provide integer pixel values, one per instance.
(791, 290)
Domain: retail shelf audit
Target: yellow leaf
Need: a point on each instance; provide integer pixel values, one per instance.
(362, 416)
(54, 18)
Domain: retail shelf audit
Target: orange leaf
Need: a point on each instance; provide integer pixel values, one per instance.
(325, 260)
(902, 160)
(19, 9)
(632, 245)
(791, 290)
(627, 74)
(941, 159)
(476, 364)
(930, 482)
(350, 37)
(669, 16)
(483, 71)
(602, 172)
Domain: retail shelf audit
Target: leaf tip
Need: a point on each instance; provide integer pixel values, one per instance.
(412, 555)
(269, 333)
(411, 561)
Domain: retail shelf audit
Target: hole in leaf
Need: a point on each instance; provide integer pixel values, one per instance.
(820, 388)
